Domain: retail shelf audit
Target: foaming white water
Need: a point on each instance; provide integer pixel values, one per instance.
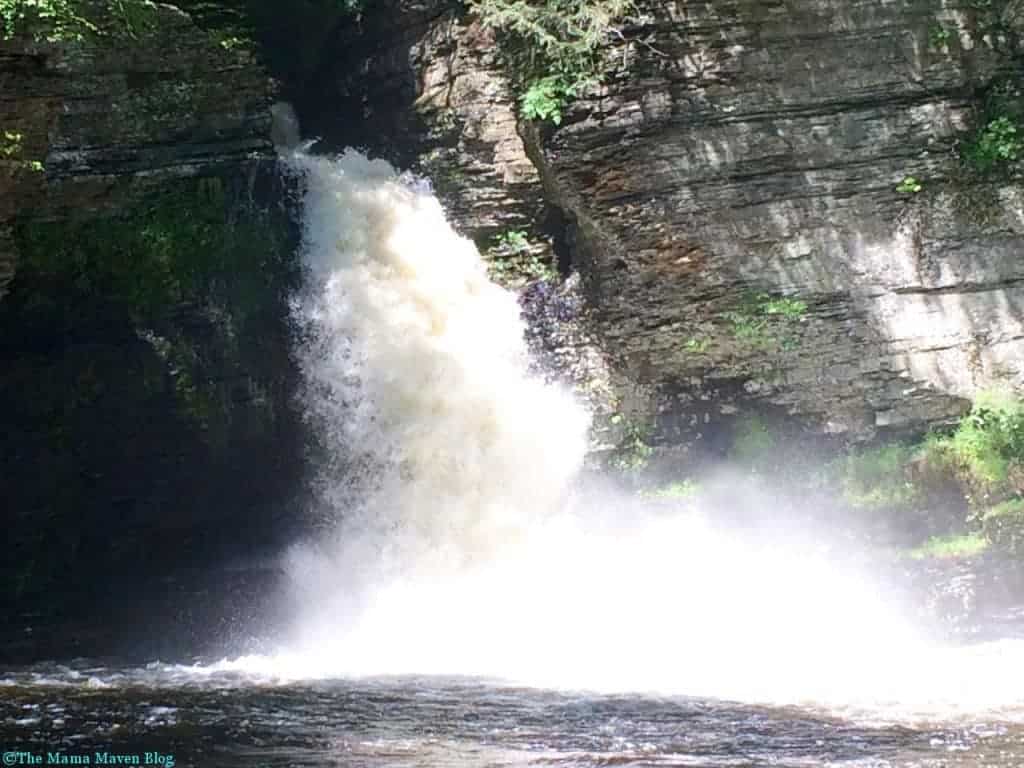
(416, 367)
(458, 550)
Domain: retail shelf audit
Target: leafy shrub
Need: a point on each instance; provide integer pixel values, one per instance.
(938, 35)
(545, 98)
(997, 145)
(512, 241)
(552, 46)
(987, 448)
(909, 186)
(50, 20)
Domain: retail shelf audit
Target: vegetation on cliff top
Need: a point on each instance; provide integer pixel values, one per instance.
(51, 20)
(553, 47)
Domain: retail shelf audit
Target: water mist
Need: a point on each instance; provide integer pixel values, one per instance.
(462, 543)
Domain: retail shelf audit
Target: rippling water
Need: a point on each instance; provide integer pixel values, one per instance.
(208, 718)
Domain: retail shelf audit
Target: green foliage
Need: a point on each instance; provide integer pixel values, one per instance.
(938, 35)
(183, 246)
(698, 346)
(909, 186)
(952, 546)
(757, 319)
(12, 152)
(684, 490)
(997, 145)
(748, 327)
(552, 46)
(513, 241)
(987, 447)
(231, 42)
(876, 478)
(135, 18)
(545, 98)
(76, 20)
(49, 20)
(11, 144)
(791, 309)
(511, 260)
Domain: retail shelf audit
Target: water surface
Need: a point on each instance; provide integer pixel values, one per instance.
(207, 718)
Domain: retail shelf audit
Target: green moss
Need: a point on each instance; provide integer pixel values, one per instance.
(876, 478)
(948, 547)
(684, 490)
(179, 247)
(764, 321)
(188, 250)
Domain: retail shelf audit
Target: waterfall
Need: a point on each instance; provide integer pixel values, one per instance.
(460, 542)
(416, 372)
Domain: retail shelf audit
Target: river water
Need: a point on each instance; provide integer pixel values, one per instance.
(199, 717)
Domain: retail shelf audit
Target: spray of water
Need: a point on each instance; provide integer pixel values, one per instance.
(460, 545)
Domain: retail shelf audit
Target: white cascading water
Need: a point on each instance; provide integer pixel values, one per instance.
(460, 547)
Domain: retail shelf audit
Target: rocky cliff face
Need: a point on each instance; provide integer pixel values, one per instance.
(738, 224)
(145, 381)
(102, 122)
(421, 85)
(729, 198)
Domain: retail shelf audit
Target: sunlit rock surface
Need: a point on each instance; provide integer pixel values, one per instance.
(737, 153)
(752, 148)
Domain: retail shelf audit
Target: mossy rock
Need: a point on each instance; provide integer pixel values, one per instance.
(1003, 525)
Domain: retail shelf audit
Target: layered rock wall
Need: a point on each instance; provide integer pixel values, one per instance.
(103, 121)
(730, 198)
(734, 192)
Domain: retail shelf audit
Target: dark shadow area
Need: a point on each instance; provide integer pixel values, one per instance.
(151, 454)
